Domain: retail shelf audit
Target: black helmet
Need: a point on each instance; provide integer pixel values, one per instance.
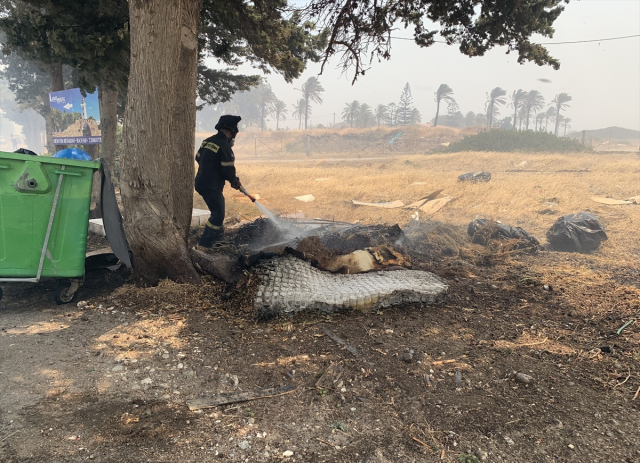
(228, 122)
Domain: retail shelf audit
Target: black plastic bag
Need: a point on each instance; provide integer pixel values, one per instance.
(580, 232)
(25, 151)
(496, 230)
(475, 177)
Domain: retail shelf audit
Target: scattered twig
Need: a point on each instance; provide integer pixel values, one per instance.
(339, 340)
(625, 380)
(380, 351)
(6, 437)
(421, 443)
(325, 442)
(637, 392)
(442, 454)
(442, 362)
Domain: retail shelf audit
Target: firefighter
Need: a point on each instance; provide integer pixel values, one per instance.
(215, 160)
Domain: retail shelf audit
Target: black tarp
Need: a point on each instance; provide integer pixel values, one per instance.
(498, 230)
(111, 218)
(580, 232)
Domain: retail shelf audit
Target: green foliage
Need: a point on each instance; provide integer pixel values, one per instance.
(508, 140)
(466, 458)
(339, 425)
(61, 121)
(359, 31)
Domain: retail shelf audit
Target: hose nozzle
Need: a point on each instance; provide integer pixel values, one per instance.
(244, 190)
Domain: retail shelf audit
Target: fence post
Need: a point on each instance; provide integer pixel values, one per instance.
(308, 145)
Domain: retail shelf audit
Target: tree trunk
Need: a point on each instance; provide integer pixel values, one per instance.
(306, 111)
(435, 123)
(57, 84)
(109, 124)
(159, 131)
(557, 122)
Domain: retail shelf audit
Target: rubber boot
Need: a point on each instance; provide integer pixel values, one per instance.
(210, 235)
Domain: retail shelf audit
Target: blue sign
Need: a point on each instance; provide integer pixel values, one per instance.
(75, 118)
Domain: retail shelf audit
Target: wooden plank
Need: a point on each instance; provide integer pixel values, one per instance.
(235, 397)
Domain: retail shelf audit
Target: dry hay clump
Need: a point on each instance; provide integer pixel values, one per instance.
(170, 296)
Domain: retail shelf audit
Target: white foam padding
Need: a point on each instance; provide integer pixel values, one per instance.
(288, 284)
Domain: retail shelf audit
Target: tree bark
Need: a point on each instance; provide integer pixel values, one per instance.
(159, 130)
(57, 84)
(435, 123)
(109, 124)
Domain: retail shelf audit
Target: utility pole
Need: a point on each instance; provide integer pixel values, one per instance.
(584, 132)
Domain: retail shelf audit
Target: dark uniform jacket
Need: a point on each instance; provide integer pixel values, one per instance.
(216, 164)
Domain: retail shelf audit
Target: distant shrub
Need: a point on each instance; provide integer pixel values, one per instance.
(510, 140)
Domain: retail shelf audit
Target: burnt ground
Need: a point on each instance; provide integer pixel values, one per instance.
(108, 382)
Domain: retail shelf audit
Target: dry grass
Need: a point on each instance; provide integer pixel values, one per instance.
(518, 193)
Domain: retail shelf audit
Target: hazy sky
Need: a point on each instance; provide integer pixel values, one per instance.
(603, 78)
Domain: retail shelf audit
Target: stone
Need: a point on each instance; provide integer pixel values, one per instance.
(407, 357)
(571, 446)
(482, 455)
(524, 379)
(609, 434)
(509, 441)
(287, 453)
(244, 445)
(251, 421)
(118, 368)
(180, 366)
(82, 304)
(146, 381)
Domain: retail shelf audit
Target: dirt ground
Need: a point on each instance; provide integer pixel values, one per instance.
(107, 382)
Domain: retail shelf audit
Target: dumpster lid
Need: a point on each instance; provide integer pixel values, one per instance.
(50, 160)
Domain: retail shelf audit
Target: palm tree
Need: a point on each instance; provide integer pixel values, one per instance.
(264, 99)
(560, 102)
(565, 124)
(539, 118)
(382, 114)
(516, 101)
(444, 93)
(495, 98)
(549, 114)
(393, 112)
(414, 116)
(350, 112)
(280, 110)
(299, 111)
(521, 115)
(533, 102)
(311, 92)
(365, 115)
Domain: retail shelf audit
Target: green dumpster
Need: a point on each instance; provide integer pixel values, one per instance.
(44, 215)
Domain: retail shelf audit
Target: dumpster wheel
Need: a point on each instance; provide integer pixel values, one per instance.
(66, 293)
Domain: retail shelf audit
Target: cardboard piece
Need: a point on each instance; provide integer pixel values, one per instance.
(389, 205)
(611, 201)
(419, 203)
(433, 206)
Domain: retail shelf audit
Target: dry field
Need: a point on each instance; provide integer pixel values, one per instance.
(527, 190)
